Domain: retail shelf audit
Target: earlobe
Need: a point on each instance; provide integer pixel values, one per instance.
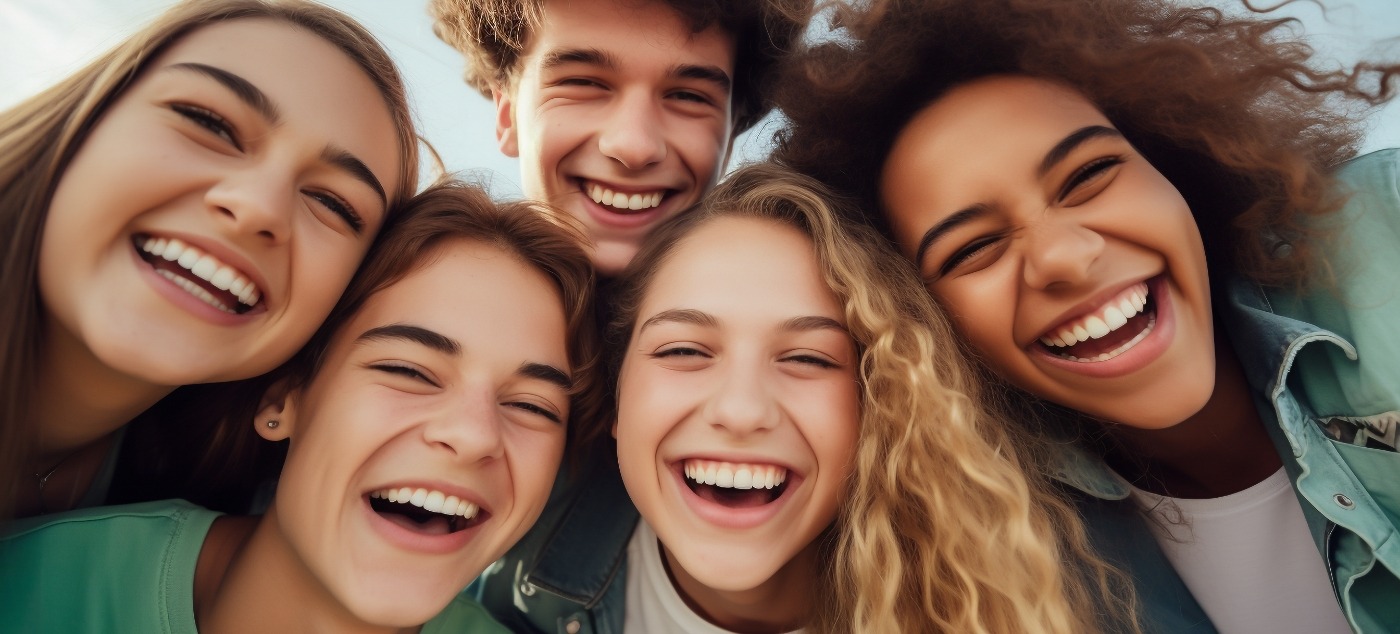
(505, 121)
(276, 416)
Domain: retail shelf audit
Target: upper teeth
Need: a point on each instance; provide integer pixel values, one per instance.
(730, 475)
(429, 500)
(206, 267)
(1112, 316)
(605, 196)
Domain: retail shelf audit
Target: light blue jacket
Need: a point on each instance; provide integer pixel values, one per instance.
(1325, 368)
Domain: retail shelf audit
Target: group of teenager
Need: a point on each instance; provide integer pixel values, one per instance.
(1043, 316)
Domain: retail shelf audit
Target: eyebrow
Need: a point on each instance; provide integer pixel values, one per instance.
(546, 372)
(258, 100)
(415, 334)
(711, 74)
(962, 217)
(241, 88)
(1074, 140)
(813, 322)
(681, 315)
(597, 57)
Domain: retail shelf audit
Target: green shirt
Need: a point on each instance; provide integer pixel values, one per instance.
(130, 569)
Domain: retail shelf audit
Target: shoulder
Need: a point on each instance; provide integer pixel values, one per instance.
(128, 520)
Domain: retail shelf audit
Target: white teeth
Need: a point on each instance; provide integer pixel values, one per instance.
(206, 267)
(605, 196)
(1151, 323)
(734, 475)
(1113, 315)
(435, 501)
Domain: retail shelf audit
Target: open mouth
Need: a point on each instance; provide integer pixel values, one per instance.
(622, 202)
(199, 274)
(735, 485)
(425, 511)
(1107, 332)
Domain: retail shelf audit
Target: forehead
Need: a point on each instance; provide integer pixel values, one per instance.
(324, 95)
(493, 304)
(750, 265)
(638, 34)
(996, 113)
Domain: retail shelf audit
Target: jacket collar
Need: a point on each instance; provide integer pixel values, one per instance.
(587, 548)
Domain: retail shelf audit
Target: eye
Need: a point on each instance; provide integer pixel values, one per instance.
(679, 351)
(1090, 173)
(536, 410)
(812, 359)
(339, 207)
(691, 96)
(210, 121)
(582, 82)
(967, 253)
(403, 371)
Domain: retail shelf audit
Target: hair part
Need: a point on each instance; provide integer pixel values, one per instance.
(947, 526)
(41, 134)
(493, 36)
(1231, 109)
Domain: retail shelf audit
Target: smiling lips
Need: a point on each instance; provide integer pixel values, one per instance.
(1107, 332)
(621, 202)
(424, 510)
(735, 485)
(200, 274)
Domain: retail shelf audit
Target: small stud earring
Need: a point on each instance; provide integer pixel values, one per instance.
(272, 424)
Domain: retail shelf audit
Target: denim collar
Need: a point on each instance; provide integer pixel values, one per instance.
(587, 549)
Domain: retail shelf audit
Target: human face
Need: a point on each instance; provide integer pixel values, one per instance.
(218, 208)
(739, 372)
(1071, 264)
(620, 116)
(428, 442)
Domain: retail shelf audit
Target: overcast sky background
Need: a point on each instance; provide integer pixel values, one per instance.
(44, 40)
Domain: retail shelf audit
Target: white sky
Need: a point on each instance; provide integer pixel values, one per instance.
(43, 40)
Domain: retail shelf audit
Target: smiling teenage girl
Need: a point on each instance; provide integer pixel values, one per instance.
(802, 449)
(1123, 207)
(426, 421)
(184, 210)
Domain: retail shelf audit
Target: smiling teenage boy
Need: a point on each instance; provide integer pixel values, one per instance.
(622, 112)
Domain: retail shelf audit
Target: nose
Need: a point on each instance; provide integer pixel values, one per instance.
(257, 201)
(743, 402)
(469, 428)
(1060, 252)
(633, 134)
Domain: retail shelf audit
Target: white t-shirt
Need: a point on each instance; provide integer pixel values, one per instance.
(1248, 559)
(653, 605)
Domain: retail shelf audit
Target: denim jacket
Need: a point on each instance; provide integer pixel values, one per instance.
(1325, 369)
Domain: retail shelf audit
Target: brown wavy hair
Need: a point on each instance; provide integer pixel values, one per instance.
(40, 135)
(944, 529)
(1230, 108)
(493, 35)
(221, 465)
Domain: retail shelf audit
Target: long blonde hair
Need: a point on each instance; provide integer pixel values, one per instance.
(39, 137)
(950, 524)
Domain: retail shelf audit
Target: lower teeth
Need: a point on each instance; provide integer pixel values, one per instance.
(195, 289)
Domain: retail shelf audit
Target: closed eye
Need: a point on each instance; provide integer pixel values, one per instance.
(972, 250)
(692, 96)
(679, 351)
(1088, 173)
(339, 207)
(536, 410)
(210, 121)
(811, 359)
(404, 371)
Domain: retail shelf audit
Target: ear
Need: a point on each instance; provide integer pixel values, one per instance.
(276, 416)
(614, 428)
(506, 139)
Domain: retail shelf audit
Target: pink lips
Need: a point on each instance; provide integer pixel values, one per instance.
(1149, 349)
(418, 542)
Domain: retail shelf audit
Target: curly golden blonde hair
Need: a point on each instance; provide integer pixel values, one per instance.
(945, 529)
(1232, 109)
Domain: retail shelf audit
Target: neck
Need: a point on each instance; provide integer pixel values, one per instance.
(80, 399)
(256, 583)
(783, 603)
(1221, 449)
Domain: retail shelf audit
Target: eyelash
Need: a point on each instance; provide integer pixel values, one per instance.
(966, 253)
(1087, 173)
(678, 352)
(691, 96)
(813, 360)
(340, 208)
(210, 121)
(536, 409)
(403, 370)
